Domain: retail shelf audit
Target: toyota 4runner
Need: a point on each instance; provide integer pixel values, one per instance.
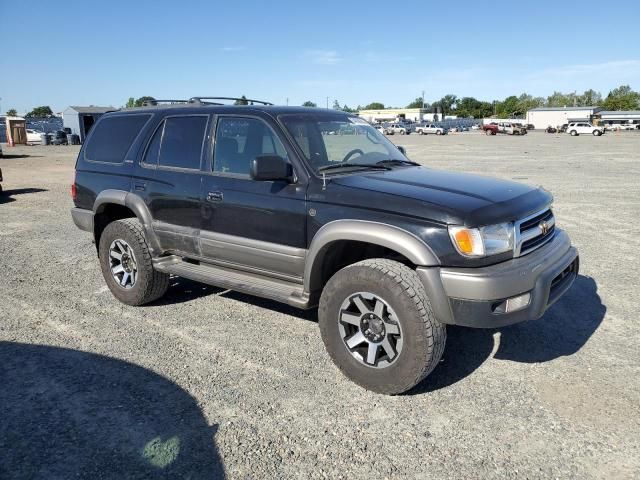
(264, 200)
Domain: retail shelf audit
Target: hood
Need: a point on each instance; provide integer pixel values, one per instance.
(447, 197)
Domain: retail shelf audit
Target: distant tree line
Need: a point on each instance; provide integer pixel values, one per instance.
(621, 98)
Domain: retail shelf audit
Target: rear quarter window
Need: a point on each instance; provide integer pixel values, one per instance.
(112, 137)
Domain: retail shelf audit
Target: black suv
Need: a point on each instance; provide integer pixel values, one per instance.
(314, 207)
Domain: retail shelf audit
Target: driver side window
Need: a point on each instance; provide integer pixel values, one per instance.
(239, 140)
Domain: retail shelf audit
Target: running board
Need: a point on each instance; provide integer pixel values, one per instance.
(254, 284)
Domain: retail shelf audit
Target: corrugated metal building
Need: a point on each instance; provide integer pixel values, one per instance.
(610, 117)
(556, 116)
(80, 119)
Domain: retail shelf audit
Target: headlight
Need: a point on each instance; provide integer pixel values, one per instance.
(483, 241)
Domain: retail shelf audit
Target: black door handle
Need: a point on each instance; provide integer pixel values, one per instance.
(214, 196)
(140, 186)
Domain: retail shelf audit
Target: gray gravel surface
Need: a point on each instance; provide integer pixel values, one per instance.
(209, 383)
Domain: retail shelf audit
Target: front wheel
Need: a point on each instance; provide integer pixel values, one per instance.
(438, 132)
(378, 326)
(402, 132)
(597, 133)
(488, 132)
(126, 264)
(574, 133)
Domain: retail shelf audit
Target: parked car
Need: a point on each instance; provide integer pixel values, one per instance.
(34, 136)
(628, 126)
(340, 228)
(551, 129)
(530, 126)
(475, 127)
(511, 128)
(490, 128)
(59, 137)
(384, 129)
(399, 128)
(429, 128)
(576, 128)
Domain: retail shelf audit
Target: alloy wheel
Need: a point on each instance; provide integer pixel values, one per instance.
(370, 330)
(122, 263)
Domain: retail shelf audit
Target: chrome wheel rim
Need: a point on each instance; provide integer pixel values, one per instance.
(122, 263)
(370, 330)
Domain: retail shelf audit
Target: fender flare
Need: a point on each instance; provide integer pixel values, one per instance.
(137, 206)
(389, 236)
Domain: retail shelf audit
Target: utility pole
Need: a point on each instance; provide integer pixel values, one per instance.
(327, 103)
(423, 99)
(287, 101)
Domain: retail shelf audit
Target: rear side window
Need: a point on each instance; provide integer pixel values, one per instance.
(181, 143)
(112, 137)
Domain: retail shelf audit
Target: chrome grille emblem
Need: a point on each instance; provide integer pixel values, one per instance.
(544, 228)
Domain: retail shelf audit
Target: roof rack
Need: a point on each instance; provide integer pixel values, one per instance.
(249, 101)
(154, 102)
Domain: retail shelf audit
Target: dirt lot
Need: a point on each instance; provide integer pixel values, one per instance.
(209, 383)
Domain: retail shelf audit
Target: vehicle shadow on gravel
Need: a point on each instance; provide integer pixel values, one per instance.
(6, 196)
(72, 414)
(563, 330)
(23, 155)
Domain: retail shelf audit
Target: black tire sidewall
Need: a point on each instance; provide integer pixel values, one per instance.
(402, 373)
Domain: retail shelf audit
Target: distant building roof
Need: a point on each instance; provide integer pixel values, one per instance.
(555, 109)
(91, 109)
(619, 112)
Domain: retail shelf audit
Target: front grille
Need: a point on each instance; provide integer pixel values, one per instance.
(530, 234)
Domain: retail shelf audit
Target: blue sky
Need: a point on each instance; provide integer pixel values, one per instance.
(101, 53)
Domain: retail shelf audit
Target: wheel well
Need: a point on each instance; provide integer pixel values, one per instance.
(106, 214)
(342, 253)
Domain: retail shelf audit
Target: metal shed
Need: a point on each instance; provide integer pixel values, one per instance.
(80, 119)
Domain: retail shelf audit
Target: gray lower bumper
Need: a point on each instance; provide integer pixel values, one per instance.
(83, 219)
(468, 296)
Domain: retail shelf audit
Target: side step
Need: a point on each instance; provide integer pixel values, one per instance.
(251, 283)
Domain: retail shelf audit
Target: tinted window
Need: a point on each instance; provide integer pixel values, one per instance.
(240, 140)
(113, 137)
(181, 144)
(151, 155)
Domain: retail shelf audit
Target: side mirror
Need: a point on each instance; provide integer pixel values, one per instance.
(270, 167)
(402, 150)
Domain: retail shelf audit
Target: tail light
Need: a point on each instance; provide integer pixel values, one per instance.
(74, 192)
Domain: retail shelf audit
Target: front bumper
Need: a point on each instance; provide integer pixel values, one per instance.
(471, 296)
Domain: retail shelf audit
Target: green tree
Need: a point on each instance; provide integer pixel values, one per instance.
(336, 105)
(559, 99)
(417, 103)
(526, 102)
(345, 108)
(12, 112)
(590, 98)
(508, 108)
(446, 104)
(241, 101)
(43, 111)
(622, 98)
(309, 103)
(374, 106)
(131, 102)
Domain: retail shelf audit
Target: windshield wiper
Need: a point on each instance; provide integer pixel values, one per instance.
(354, 165)
(397, 161)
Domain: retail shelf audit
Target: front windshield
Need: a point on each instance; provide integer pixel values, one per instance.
(329, 140)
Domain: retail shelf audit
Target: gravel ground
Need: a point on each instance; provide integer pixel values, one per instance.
(210, 383)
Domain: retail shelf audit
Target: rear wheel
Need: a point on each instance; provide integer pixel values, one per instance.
(402, 132)
(126, 264)
(488, 132)
(597, 133)
(378, 327)
(574, 133)
(438, 132)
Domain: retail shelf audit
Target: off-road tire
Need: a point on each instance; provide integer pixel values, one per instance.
(150, 284)
(423, 336)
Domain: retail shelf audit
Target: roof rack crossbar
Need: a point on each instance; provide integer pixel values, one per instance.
(250, 101)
